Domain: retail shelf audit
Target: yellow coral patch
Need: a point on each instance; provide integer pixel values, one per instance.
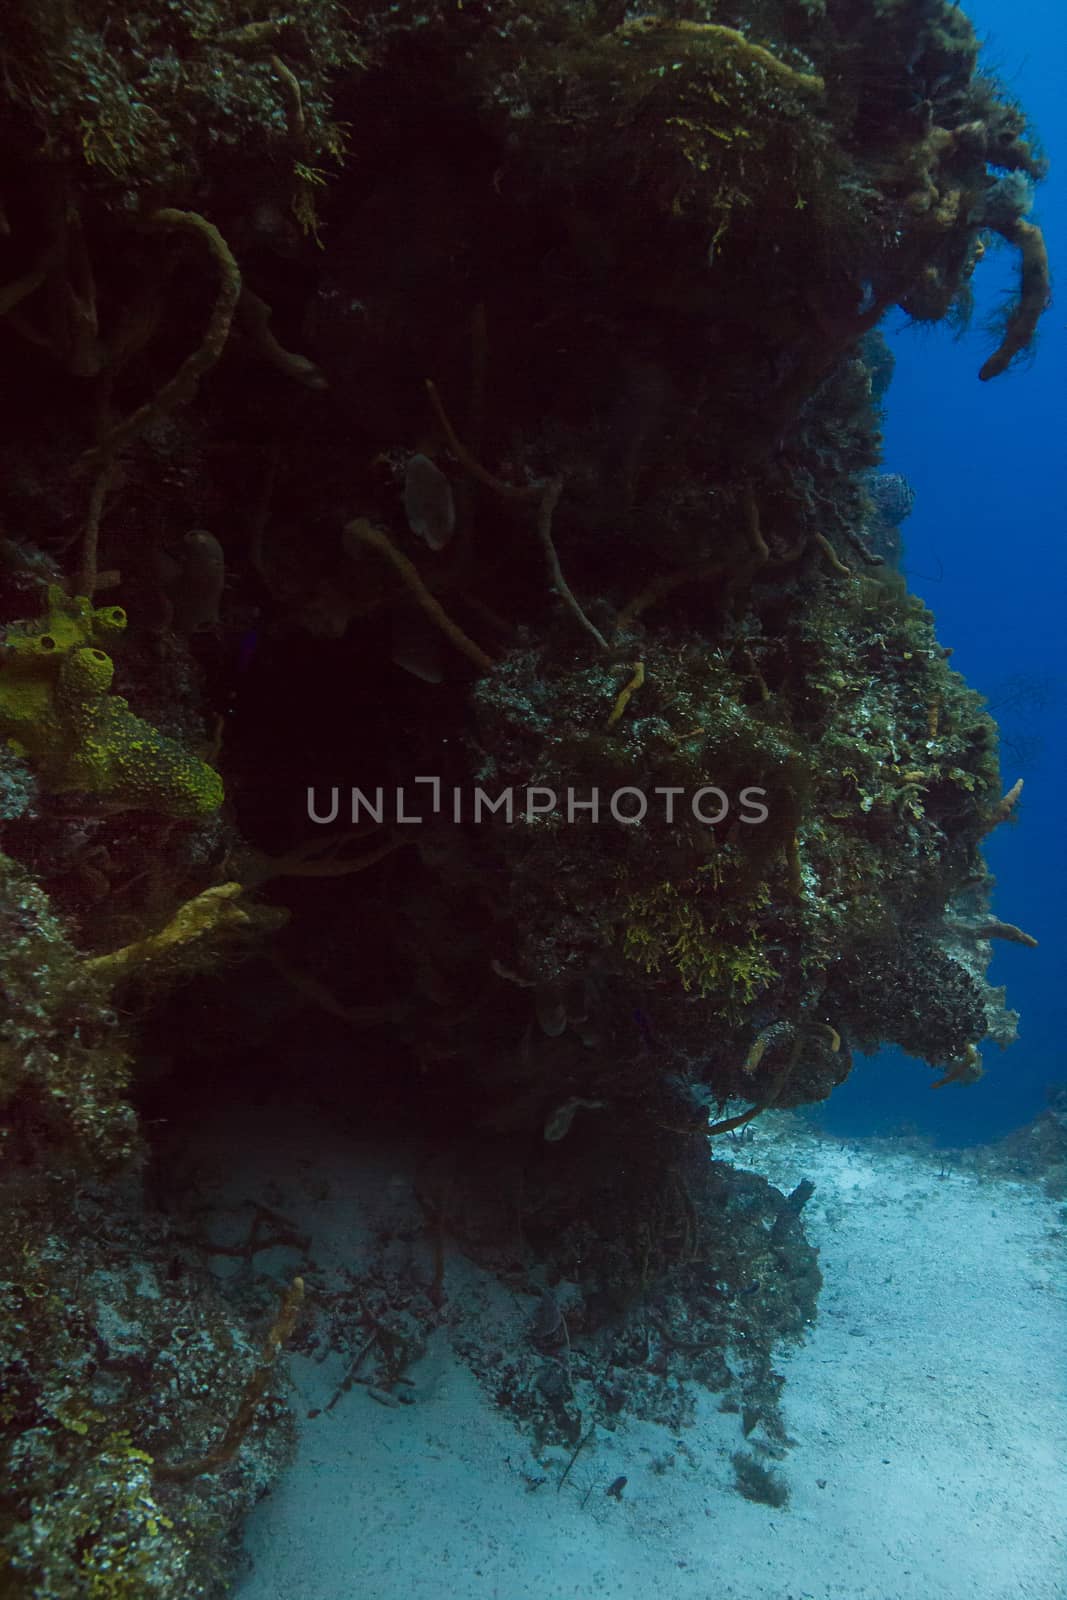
(674, 930)
(56, 708)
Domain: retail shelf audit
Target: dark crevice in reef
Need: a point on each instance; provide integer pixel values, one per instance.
(632, 537)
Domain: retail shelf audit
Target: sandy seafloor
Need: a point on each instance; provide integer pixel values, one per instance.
(927, 1408)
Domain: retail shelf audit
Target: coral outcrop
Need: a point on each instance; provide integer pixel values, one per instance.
(463, 424)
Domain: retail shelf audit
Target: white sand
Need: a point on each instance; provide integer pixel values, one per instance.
(928, 1411)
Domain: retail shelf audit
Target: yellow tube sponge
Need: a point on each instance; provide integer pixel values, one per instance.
(57, 710)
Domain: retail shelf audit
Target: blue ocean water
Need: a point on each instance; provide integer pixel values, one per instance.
(986, 548)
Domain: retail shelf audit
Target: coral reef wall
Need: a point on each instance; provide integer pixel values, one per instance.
(470, 414)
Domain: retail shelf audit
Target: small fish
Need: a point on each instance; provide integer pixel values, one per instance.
(550, 1006)
(196, 591)
(428, 503)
